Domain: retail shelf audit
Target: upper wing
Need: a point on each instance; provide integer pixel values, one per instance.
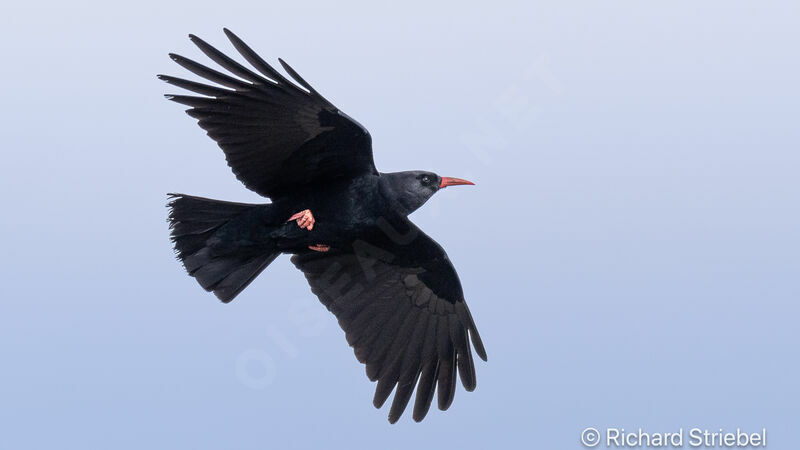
(277, 137)
(400, 303)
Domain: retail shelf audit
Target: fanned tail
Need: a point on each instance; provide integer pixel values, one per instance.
(216, 245)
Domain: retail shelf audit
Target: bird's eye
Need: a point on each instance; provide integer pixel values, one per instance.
(426, 179)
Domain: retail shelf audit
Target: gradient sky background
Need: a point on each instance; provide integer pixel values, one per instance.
(630, 252)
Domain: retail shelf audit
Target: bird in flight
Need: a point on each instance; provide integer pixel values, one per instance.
(392, 288)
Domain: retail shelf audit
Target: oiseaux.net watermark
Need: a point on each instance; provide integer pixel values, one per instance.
(680, 438)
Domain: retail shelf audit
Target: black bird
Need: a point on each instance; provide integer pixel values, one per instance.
(392, 288)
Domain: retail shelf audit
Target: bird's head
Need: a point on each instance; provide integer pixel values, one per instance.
(411, 189)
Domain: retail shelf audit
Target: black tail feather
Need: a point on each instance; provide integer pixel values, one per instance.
(219, 266)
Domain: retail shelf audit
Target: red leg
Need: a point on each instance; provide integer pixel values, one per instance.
(304, 219)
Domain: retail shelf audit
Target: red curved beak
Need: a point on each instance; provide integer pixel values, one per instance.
(448, 181)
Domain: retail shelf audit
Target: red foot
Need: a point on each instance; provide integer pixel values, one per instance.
(304, 219)
(320, 247)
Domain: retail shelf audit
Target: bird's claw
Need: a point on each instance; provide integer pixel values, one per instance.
(304, 219)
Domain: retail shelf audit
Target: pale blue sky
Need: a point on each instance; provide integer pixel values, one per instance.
(630, 251)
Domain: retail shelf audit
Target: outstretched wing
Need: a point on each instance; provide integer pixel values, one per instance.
(277, 137)
(398, 299)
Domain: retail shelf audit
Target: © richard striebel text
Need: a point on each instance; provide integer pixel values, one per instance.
(694, 437)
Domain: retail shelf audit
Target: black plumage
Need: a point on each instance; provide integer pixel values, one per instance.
(392, 288)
